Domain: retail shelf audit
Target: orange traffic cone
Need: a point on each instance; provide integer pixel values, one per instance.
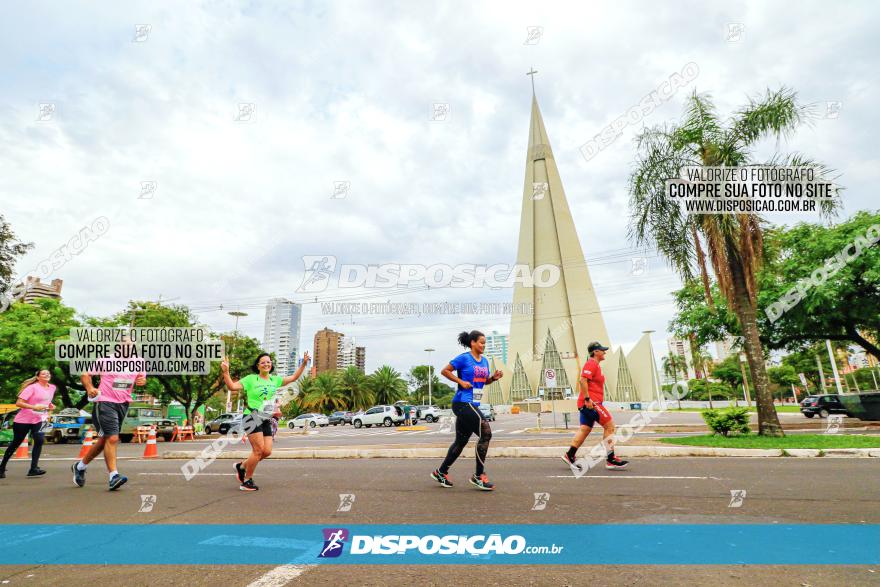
(151, 451)
(87, 443)
(22, 452)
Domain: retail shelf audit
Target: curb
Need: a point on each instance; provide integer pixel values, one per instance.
(534, 452)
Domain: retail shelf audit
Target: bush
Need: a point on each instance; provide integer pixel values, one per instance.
(724, 422)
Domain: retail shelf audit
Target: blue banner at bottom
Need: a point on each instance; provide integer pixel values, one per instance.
(527, 544)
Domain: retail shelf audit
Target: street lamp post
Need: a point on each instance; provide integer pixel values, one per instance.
(236, 315)
(430, 376)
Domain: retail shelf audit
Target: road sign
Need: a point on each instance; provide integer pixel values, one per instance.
(803, 379)
(549, 378)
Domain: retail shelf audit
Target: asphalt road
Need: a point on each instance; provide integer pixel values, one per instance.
(664, 490)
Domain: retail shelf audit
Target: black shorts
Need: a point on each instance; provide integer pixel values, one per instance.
(252, 423)
(107, 417)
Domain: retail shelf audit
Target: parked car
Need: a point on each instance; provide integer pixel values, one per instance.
(379, 416)
(223, 423)
(337, 418)
(428, 413)
(311, 420)
(143, 416)
(67, 426)
(6, 427)
(488, 411)
(822, 405)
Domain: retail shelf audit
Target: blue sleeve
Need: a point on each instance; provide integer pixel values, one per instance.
(458, 363)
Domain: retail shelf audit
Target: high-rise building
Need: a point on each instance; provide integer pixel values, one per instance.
(725, 348)
(496, 346)
(327, 350)
(553, 322)
(32, 289)
(682, 348)
(350, 355)
(281, 334)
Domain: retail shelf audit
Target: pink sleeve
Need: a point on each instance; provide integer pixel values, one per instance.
(27, 393)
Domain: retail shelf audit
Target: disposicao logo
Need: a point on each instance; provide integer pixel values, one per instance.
(334, 540)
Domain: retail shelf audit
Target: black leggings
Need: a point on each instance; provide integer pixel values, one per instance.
(19, 432)
(468, 420)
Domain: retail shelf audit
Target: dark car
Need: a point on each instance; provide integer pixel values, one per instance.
(223, 423)
(337, 418)
(822, 405)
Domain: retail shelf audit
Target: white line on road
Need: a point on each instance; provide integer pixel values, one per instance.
(280, 576)
(632, 477)
(179, 474)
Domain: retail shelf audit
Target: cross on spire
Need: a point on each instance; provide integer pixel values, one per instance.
(532, 74)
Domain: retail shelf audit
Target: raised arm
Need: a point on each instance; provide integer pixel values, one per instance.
(299, 372)
(232, 385)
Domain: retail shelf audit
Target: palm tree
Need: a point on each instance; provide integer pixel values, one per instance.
(671, 365)
(734, 241)
(354, 384)
(325, 394)
(387, 385)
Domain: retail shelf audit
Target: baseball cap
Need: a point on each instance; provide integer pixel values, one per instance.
(596, 346)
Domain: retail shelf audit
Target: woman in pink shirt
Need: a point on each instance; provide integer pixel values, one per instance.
(35, 401)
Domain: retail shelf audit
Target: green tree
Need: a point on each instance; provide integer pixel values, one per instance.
(27, 343)
(734, 243)
(844, 307)
(418, 384)
(10, 249)
(357, 393)
(387, 385)
(673, 364)
(191, 391)
(783, 377)
(326, 394)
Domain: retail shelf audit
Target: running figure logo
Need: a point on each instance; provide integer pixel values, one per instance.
(334, 540)
(346, 500)
(834, 422)
(447, 424)
(318, 269)
(147, 503)
(541, 501)
(737, 496)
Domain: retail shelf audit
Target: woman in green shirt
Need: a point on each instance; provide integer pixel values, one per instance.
(260, 388)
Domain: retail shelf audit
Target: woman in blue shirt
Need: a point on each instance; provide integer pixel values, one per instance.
(471, 374)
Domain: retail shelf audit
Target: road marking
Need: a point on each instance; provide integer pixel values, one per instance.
(633, 477)
(499, 430)
(280, 576)
(179, 474)
(518, 431)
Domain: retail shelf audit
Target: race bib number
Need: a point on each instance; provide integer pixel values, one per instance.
(478, 394)
(123, 384)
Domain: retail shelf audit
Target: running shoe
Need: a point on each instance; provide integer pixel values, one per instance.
(482, 482)
(615, 463)
(79, 477)
(117, 481)
(239, 472)
(440, 478)
(249, 485)
(36, 472)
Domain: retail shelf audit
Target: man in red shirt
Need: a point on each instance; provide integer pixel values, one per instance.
(592, 393)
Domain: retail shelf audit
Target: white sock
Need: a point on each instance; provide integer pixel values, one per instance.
(81, 466)
(113, 473)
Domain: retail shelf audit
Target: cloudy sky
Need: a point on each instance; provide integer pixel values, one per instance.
(346, 93)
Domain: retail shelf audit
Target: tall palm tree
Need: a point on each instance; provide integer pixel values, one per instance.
(354, 384)
(387, 385)
(325, 394)
(672, 363)
(734, 241)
